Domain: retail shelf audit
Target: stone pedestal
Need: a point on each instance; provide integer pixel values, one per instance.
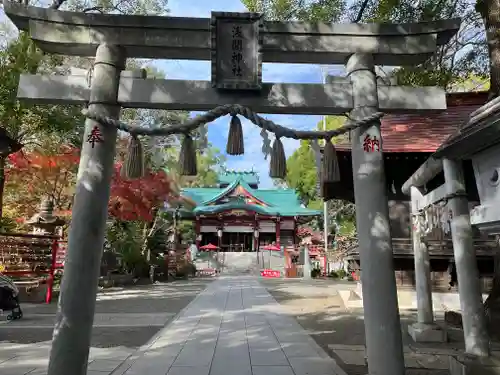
(32, 294)
(421, 332)
(471, 365)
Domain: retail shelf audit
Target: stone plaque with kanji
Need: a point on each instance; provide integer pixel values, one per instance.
(236, 50)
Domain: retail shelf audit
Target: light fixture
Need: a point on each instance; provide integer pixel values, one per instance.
(219, 233)
(256, 233)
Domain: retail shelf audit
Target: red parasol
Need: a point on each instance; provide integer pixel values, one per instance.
(209, 247)
(272, 248)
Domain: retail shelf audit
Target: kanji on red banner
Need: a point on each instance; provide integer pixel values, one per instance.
(371, 144)
(95, 136)
(270, 273)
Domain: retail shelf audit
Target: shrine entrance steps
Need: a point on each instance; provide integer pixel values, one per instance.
(234, 326)
(238, 263)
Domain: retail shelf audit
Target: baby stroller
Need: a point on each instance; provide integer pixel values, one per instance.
(9, 298)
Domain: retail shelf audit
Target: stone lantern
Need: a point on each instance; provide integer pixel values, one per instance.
(45, 222)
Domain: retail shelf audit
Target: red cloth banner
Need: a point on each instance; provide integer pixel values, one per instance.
(270, 273)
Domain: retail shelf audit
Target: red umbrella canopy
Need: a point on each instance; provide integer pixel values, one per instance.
(272, 248)
(209, 247)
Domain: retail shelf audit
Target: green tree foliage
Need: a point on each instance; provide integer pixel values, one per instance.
(301, 172)
(332, 123)
(286, 10)
(27, 123)
(302, 175)
(466, 53)
(134, 7)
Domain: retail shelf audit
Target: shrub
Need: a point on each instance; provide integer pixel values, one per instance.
(315, 272)
(341, 273)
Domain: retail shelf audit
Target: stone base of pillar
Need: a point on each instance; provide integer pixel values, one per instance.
(427, 333)
(471, 365)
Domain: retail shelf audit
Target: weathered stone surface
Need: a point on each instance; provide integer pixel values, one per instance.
(277, 98)
(427, 333)
(467, 365)
(73, 33)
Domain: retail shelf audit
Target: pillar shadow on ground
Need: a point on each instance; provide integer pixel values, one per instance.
(318, 308)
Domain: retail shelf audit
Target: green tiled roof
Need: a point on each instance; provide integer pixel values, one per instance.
(284, 202)
(229, 176)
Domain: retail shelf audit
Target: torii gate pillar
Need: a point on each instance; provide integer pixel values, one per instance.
(382, 324)
(75, 315)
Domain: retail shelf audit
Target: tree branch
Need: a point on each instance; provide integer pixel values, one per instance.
(91, 9)
(361, 11)
(56, 4)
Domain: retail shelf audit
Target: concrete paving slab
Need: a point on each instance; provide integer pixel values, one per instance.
(272, 370)
(103, 365)
(236, 325)
(134, 315)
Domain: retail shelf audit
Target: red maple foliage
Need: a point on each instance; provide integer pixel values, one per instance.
(30, 176)
(33, 175)
(66, 155)
(136, 199)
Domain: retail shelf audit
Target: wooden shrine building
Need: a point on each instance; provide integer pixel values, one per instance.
(239, 216)
(408, 141)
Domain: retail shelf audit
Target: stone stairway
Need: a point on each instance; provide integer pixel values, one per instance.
(238, 263)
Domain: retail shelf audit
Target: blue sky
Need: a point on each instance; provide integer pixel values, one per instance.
(217, 131)
(200, 70)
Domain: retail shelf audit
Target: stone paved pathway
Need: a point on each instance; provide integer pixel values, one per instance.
(233, 327)
(125, 319)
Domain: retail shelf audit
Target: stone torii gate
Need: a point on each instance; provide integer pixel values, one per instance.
(237, 44)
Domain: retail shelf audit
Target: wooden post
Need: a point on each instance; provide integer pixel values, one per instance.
(278, 230)
(197, 231)
(50, 281)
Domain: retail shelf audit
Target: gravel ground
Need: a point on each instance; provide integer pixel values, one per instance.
(126, 317)
(318, 307)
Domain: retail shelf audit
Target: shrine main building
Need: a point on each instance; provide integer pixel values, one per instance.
(239, 216)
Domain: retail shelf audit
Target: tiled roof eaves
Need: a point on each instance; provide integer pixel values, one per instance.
(426, 132)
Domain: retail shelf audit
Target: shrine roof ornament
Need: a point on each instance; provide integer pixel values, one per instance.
(79, 34)
(227, 176)
(239, 181)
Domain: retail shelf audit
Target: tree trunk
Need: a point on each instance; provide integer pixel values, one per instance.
(2, 184)
(490, 11)
(492, 303)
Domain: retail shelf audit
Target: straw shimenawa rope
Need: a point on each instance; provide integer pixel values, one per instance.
(194, 123)
(133, 166)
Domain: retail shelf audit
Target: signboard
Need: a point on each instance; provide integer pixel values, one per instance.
(270, 273)
(61, 254)
(236, 50)
(172, 260)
